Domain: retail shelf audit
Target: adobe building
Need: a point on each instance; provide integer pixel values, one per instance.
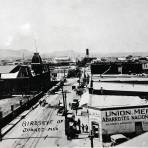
(110, 114)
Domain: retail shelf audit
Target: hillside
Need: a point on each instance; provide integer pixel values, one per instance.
(9, 53)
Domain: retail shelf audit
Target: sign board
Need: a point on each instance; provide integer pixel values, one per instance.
(95, 115)
(123, 120)
(145, 66)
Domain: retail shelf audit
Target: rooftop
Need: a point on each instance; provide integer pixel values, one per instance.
(120, 86)
(111, 101)
(7, 68)
(121, 77)
(9, 75)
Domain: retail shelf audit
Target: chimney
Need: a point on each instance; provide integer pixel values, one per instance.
(87, 52)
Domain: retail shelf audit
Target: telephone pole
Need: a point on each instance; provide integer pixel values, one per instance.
(65, 108)
(91, 136)
(1, 116)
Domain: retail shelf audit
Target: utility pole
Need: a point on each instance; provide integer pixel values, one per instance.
(1, 125)
(65, 108)
(64, 73)
(91, 136)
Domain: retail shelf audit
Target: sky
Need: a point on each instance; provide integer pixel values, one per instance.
(55, 25)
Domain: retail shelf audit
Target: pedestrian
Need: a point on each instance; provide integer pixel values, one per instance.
(76, 112)
(79, 122)
(86, 127)
(70, 105)
(79, 125)
(82, 127)
(40, 102)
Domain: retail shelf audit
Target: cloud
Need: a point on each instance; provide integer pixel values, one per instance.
(26, 29)
(9, 41)
(100, 25)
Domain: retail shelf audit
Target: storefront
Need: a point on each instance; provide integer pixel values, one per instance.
(116, 114)
(125, 119)
(108, 121)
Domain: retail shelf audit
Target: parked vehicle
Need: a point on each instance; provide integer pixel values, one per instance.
(74, 105)
(75, 100)
(118, 139)
(61, 109)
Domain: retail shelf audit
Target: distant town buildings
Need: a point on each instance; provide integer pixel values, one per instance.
(62, 60)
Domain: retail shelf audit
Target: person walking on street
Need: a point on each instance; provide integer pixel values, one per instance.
(79, 125)
(86, 127)
(82, 127)
(70, 105)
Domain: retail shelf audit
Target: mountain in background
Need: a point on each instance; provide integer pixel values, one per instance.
(119, 54)
(9, 53)
(76, 54)
(69, 53)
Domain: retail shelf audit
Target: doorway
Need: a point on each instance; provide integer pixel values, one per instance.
(138, 128)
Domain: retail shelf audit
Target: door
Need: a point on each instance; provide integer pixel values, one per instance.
(138, 128)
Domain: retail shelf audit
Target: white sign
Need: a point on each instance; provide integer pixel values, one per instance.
(123, 120)
(136, 114)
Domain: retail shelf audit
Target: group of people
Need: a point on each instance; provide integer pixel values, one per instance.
(84, 128)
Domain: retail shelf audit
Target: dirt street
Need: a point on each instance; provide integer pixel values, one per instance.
(42, 127)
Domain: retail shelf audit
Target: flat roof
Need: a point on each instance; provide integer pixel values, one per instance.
(120, 86)
(120, 77)
(124, 79)
(111, 101)
(7, 68)
(9, 75)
